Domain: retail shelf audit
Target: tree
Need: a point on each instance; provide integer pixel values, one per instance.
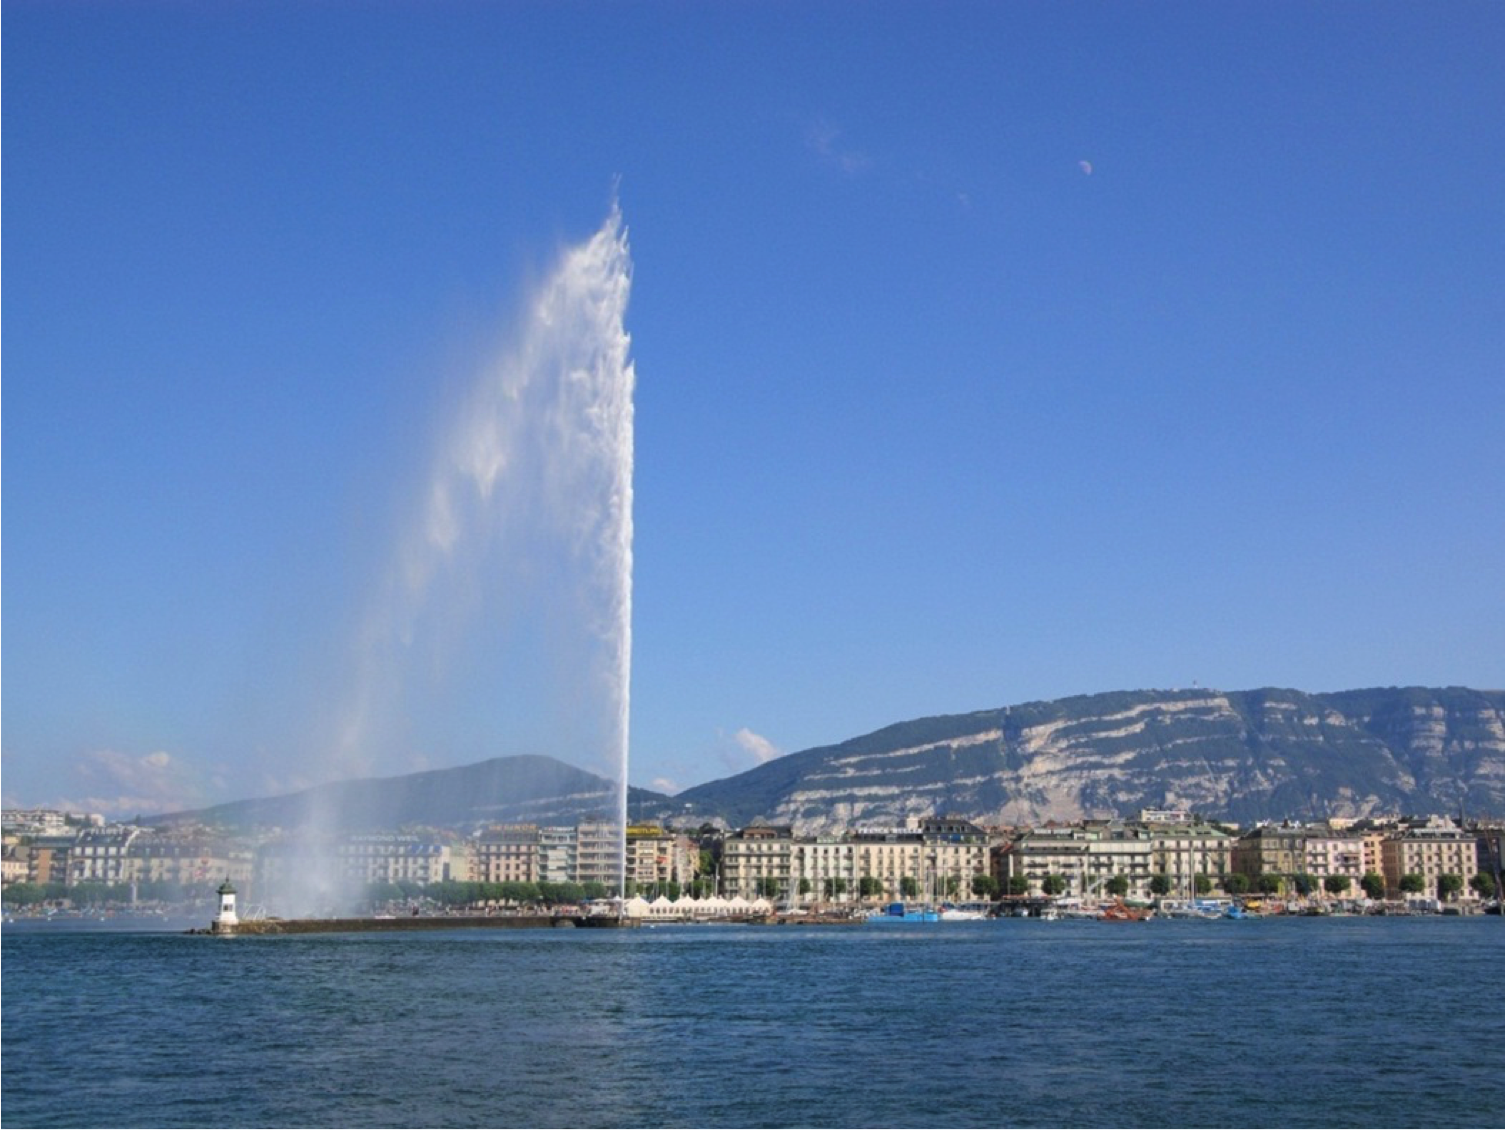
(806, 886)
(769, 887)
(1202, 884)
(23, 894)
(1373, 885)
(952, 885)
(1270, 884)
(1448, 886)
(381, 891)
(909, 887)
(1483, 884)
(835, 887)
(1236, 883)
(869, 886)
(553, 893)
(1160, 885)
(1053, 885)
(1118, 886)
(1336, 884)
(1305, 883)
(1018, 885)
(518, 891)
(1412, 883)
(985, 886)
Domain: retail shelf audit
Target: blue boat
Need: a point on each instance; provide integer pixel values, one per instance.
(899, 912)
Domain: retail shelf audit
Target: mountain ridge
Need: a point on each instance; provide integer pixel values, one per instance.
(1268, 753)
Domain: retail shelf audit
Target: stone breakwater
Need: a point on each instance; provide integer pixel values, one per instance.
(272, 926)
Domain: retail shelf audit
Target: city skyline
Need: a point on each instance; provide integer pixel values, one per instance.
(984, 355)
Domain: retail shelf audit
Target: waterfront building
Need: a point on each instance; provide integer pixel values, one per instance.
(1329, 853)
(385, 857)
(507, 853)
(931, 858)
(824, 869)
(598, 853)
(889, 855)
(14, 865)
(1432, 849)
(956, 852)
(1086, 857)
(1183, 849)
(1271, 849)
(47, 859)
(757, 860)
(1373, 848)
(556, 855)
(187, 859)
(656, 858)
(99, 855)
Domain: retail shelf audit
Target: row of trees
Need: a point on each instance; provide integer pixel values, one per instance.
(1237, 883)
(455, 893)
(871, 887)
(101, 894)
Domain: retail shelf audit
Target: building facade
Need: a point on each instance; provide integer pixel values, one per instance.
(1433, 849)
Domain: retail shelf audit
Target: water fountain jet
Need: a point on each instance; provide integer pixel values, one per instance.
(524, 516)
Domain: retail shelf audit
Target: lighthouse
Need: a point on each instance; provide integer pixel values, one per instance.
(225, 921)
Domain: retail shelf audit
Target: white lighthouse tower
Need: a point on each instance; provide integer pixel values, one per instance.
(225, 921)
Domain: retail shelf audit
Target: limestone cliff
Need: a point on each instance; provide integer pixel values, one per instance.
(1243, 756)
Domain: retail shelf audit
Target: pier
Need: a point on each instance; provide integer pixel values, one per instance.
(278, 926)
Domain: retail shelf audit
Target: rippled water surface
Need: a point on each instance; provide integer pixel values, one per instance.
(1297, 1022)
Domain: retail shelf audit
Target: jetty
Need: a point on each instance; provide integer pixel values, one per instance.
(274, 926)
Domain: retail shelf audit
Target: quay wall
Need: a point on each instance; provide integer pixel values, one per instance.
(272, 926)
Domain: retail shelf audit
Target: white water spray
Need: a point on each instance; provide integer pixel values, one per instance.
(526, 515)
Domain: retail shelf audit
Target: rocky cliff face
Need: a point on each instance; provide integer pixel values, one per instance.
(1241, 756)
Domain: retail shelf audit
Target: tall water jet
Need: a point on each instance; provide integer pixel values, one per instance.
(518, 551)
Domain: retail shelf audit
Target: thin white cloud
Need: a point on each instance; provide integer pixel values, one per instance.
(824, 139)
(761, 749)
(664, 785)
(121, 784)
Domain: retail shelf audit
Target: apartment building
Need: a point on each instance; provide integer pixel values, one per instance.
(1330, 852)
(1086, 857)
(756, 860)
(393, 858)
(99, 855)
(598, 853)
(656, 857)
(1184, 848)
(1271, 849)
(1432, 849)
(507, 853)
(189, 858)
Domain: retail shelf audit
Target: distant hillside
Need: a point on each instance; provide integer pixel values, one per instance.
(1242, 756)
(529, 789)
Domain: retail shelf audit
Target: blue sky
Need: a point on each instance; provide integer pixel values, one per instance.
(985, 353)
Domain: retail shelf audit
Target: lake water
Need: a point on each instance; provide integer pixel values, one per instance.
(1279, 1022)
